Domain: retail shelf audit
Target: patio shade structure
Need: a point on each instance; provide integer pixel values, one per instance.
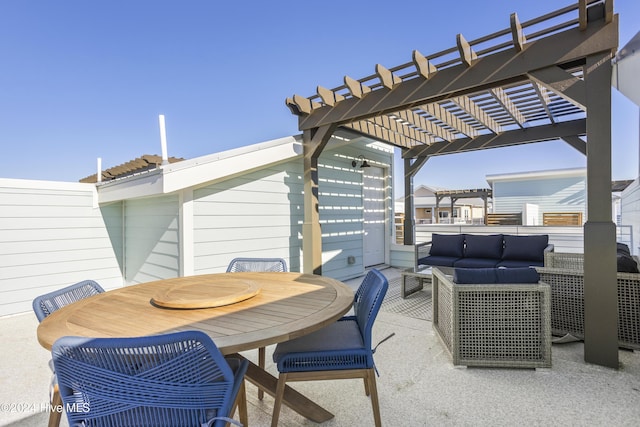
(538, 80)
(455, 195)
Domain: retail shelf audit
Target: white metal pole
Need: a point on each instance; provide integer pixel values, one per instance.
(163, 140)
(99, 174)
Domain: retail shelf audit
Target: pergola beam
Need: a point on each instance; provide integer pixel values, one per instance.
(424, 67)
(545, 99)
(563, 83)
(501, 96)
(477, 113)
(495, 70)
(329, 97)
(442, 114)
(387, 78)
(424, 124)
(357, 89)
(505, 139)
(368, 128)
(517, 35)
(467, 54)
(576, 142)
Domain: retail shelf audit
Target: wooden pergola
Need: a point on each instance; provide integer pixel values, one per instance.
(544, 79)
(455, 195)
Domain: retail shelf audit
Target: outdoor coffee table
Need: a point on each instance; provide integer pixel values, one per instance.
(413, 280)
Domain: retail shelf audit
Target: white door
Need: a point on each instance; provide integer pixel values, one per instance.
(374, 216)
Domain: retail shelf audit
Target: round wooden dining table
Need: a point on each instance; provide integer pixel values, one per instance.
(239, 311)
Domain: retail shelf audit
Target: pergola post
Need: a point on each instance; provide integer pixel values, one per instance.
(453, 202)
(410, 170)
(600, 280)
(486, 208)
(313, 142)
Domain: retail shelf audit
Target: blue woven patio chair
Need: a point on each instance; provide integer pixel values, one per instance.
(257, 264)
(339, 351)
(239, 265)
(46, 304)
(177, 379)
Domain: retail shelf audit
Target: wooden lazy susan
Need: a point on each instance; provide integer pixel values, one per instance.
(206, 294)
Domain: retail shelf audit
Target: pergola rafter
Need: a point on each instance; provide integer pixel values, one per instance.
(516, 86)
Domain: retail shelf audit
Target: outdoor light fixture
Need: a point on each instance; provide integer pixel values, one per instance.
(362, 160)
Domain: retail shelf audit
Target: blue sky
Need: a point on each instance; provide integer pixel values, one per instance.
(86, 79)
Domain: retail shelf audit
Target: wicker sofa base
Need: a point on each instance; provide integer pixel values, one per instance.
(493, 325)
(564, 272)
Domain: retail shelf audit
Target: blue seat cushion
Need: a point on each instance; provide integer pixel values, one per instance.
(474, 275)
(476, 262)
(336, 346)
(525, 248)
(517, 275)
(444, 261)
(451, 245)
(495, 275)
(483, 246)
(512, 263)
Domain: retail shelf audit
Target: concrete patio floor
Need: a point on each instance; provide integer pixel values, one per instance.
(418, 385)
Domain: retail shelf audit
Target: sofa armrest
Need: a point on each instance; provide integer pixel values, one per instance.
(549, 248)
(422, 250)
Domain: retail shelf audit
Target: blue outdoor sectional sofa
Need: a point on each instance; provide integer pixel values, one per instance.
(486, 251)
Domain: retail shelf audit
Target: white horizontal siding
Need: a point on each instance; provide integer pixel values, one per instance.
(151, 239)
(258, 214)
(560, 194)
(51, 235)
(402, 256)
(630, 212)
(341, 207)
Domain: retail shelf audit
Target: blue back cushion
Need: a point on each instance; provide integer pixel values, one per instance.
(483, 246)
(525, 247)
(622, 248)
(475, 275)
(517, 275)
(447, 245)
(495, 275)
(626, 263)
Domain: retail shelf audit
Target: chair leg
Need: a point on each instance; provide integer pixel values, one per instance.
(282, 379)
(371, 379)
(56, 403)
(242, 405)
(261, 363)
(366, 386)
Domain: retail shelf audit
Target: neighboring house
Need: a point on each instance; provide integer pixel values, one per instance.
(551, 197)
(617, 190)
(630, 211)
(193, 216)
(428, 210)
(537, 195)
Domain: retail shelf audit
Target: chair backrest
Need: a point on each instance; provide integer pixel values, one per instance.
(367, 302)
(178, 379)
(46, 304)
(257, 264)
